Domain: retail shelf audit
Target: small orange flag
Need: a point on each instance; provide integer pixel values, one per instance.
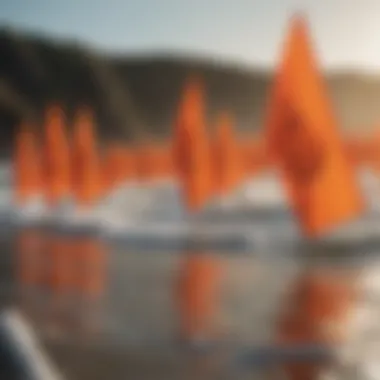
(27, 166)
(303, 139)
(86, 163)
(57, 157)
(191, 147)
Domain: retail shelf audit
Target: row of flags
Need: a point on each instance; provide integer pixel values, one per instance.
(300, 137)
(58, 166)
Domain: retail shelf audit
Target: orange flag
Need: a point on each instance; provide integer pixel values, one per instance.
(86, 163)
(191, 147)
(27, 166)
(57, 157)
(303, 139)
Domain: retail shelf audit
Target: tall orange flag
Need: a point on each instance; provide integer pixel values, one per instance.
(191, 148)
(303, 139)
(27, 166)
(57, 156)
(86, 163)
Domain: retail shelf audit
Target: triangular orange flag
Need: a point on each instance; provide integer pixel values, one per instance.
(57, 157)
(86, 163)
(303, 138)
(191, 147)
(27, 166)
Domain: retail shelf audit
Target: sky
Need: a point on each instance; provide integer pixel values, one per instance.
(346, 32)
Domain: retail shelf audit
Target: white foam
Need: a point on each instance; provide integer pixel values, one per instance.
(34, 210)
(136, 204)
(263, 191)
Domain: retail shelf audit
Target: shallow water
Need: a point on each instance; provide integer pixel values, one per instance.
(132, 329)
(135, 322)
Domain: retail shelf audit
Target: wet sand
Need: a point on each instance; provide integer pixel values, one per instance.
(134, 328)
(132, 331)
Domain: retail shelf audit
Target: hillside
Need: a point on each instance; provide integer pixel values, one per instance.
(131, 95)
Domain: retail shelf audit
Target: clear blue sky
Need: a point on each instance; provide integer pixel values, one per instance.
(346, 32)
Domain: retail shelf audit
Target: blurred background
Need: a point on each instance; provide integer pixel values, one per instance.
(128, 59)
